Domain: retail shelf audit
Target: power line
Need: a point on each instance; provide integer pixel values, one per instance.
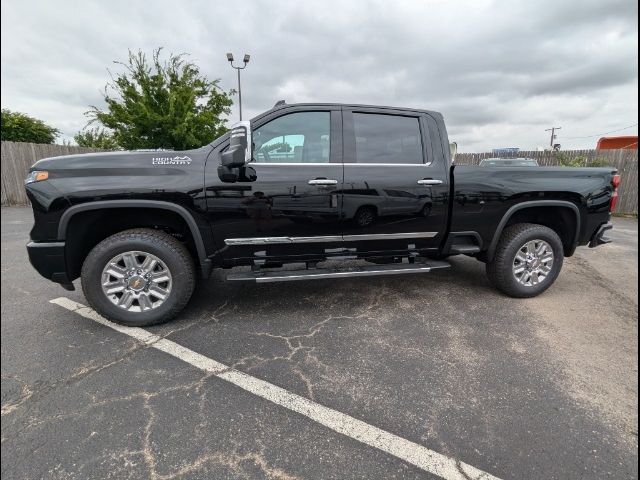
(601, 134)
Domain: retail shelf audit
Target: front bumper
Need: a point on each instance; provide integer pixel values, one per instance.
(598, 237)
(49, 260)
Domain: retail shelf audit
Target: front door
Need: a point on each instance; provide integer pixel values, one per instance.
(395, 182)
(291, 208)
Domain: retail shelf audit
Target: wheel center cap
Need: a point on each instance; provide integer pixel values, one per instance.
(137, 283)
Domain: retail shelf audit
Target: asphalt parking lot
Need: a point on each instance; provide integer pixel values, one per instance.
(541, 388)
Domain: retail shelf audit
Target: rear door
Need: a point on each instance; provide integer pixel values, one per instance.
(397, 157)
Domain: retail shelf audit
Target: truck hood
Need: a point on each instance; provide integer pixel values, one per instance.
(110, 161)
(121, 175)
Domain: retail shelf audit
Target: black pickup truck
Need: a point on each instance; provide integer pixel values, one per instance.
(303, 184)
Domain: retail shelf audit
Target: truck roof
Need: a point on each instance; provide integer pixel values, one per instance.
(281, 104)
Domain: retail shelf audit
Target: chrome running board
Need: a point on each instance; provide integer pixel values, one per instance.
(321, 273)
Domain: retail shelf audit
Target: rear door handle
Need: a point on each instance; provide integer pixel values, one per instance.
(323, 182)
(429, 181)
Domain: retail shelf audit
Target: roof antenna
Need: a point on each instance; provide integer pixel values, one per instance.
(279, 103)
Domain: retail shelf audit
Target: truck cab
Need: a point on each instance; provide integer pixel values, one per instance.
(370, 180)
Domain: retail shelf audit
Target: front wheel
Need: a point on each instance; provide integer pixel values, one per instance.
(138, 277)
(527, 261)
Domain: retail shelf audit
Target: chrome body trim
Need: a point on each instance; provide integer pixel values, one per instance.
(328, 238)
(299, 164)
(45, 244)
(429, 181)
(281, 240)
(389, 236)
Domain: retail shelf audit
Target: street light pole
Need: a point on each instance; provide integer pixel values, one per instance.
(245, 60)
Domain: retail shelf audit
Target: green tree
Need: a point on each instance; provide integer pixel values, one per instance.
(19, 127)
(96, 138)
(566, 160)
(162, 104)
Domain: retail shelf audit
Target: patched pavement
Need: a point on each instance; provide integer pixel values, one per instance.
(539, 388)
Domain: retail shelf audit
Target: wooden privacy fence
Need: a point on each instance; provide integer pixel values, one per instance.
(18, 157)
(626, 161)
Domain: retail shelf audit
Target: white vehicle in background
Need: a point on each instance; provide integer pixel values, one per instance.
(509, 162)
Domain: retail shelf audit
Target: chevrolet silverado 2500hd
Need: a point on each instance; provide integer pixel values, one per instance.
(302, 184)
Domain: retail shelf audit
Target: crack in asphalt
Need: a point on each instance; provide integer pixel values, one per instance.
(294, 344)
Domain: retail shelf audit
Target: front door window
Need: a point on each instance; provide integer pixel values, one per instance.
(302, 137)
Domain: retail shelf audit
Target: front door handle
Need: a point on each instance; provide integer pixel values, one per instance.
(429, 181)
(323, 182)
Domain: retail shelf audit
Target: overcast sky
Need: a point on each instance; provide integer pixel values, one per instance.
(500, 71)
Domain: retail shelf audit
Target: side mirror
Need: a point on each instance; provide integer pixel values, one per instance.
(248, 174)
(228, 174)
(239, 152)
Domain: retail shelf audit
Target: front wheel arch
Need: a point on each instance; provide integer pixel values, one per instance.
(173, 212)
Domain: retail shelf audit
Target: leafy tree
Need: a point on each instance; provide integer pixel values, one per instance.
(565, 160)
(96, 138)
(19, 127)
(162, 104)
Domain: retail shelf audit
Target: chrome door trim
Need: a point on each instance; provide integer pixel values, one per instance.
(296, 164)
(281, 240)
(364, 164)
(388, 236)
(326, 238)
(323, 182)
(429, 181)
(324, 164)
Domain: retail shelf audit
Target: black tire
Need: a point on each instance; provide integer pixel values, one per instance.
(500, 270)
(169, 250)
(365, 216)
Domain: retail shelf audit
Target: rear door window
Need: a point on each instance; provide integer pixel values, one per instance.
(390, 139)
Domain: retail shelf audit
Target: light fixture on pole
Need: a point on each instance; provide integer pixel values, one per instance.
(245, 60)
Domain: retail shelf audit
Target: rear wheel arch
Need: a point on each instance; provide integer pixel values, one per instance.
(533, 212)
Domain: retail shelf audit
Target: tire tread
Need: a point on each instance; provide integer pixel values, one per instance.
(496, 269)
(162, 241)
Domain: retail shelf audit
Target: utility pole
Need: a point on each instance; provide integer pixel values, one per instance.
(245, 60)
(553, 134)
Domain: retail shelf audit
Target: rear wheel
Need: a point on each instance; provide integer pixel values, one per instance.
(527, 261)
(138, 277)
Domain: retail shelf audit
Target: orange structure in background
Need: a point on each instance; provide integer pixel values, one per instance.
(626, 142)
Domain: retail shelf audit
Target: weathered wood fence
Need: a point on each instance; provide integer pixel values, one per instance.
(18, 157)
(626, 161)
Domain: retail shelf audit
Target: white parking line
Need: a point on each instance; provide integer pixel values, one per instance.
(422, 457)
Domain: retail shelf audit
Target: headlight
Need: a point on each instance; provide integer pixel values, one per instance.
(36, 176)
